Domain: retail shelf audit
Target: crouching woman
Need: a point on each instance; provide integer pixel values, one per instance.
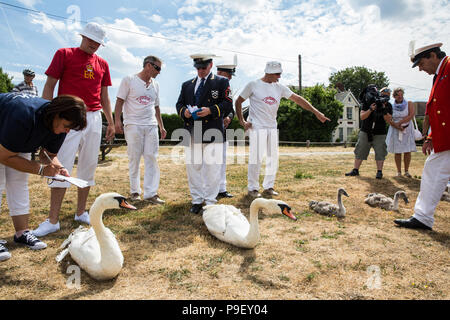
(26, 124)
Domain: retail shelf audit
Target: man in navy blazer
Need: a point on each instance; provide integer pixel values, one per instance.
(202, 104)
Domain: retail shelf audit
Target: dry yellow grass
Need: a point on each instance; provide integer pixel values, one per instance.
(169, 253)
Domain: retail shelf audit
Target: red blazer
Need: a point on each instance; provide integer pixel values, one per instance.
(438, 108)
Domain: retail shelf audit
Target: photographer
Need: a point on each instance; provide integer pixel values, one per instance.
(375, 112)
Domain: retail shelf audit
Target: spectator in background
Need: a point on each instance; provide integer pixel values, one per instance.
(81, 73)
(138, 97)
(27, 123)
(373, 130)
(400, 137)
(27, 85)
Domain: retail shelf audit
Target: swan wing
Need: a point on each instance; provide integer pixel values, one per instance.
(84, 249)
(225, 222)
(215, 216)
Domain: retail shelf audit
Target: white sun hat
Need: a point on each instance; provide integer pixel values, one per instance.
(94, 32)
(273, 67)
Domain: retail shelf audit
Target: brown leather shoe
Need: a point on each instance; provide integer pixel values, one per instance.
(270, 192)
(155, 200)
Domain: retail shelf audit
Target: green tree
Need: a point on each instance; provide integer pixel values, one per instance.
(5, 82)
(356, 79)
(297, 124)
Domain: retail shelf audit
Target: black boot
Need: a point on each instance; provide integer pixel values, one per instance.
(354, 172)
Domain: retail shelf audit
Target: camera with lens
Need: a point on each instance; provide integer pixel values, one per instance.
(371, 95)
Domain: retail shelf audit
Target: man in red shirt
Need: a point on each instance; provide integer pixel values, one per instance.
(436, 172)
(81, 73)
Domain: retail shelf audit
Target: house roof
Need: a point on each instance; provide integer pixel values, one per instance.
(344, 95)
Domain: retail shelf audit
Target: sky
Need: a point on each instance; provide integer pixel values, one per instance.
(330, 35)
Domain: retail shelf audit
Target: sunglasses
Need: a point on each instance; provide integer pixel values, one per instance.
(201, 68)
(157, 68)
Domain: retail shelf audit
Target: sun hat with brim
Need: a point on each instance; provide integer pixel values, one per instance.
(273, 67)
(94, 32)
(422, 52)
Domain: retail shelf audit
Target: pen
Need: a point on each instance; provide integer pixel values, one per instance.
(46, 154)
(49, 159)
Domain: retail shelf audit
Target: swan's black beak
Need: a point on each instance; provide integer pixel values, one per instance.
(406, 199)
(286, 210)
(124, 204)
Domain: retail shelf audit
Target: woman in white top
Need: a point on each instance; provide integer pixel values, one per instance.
(400, 136)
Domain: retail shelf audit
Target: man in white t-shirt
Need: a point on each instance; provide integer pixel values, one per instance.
(138, 96)
(265, 95)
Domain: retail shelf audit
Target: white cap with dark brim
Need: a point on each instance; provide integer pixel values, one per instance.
(230, 68)
(202, 60)
(421, 52)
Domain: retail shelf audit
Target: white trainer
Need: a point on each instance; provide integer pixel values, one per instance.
(84, 218)
(4, 253)
(45, 228)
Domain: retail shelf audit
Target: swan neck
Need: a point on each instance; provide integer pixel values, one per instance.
(96, 219)
(395, 206)
(340, 204)
(253, 233)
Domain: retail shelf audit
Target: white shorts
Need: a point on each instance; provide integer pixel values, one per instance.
(87, 143)
(16, 185)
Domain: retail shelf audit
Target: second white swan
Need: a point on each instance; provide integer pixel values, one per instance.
(228, 224)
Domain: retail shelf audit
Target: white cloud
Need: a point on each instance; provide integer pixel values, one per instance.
(156, 18)
(188, 10)
(126, 10)
(29, 3)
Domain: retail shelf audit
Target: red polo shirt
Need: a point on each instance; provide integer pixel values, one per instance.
(80, 74)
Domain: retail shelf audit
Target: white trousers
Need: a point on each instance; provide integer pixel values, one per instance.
(223, 169)
(203, 162)
(16, 185)
(143, 141)
(435, 176)
(87, 143)
(263, 144)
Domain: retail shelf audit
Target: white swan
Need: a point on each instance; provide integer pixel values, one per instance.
(228, 224)
(328, 208)
(385, 202)
(96, 250)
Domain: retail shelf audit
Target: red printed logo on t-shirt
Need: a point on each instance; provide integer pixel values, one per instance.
(270, 100)
(89, 72)
(144, 99)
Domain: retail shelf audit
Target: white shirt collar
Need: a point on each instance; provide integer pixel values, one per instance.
(440, 64)
(198, 78)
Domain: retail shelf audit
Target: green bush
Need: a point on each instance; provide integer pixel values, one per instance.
(5, 82)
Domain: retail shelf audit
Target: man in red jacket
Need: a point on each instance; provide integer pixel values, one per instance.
(436, 172)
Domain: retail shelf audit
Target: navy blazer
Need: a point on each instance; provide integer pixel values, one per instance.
(216, 96)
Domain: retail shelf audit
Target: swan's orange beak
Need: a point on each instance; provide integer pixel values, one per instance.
(125, 204)
(287, 212)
